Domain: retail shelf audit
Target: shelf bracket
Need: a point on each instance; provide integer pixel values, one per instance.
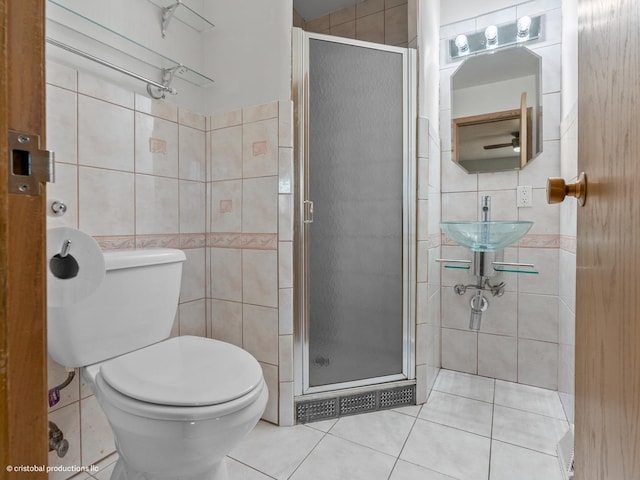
(168, 75)
(167, 15)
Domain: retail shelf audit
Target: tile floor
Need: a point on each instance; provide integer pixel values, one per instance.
(471, 428)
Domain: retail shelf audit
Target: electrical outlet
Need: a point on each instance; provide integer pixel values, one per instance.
(524, 196)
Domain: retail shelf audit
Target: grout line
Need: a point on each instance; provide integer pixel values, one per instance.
(404, 444)
(493, 409)
(324, 434)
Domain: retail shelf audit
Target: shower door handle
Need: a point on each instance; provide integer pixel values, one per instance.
(308, 211)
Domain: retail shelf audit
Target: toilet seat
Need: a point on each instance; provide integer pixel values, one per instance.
(184, 371)
(183, 378)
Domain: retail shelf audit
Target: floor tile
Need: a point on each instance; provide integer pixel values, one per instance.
(531, 399)
(408, 471)
(384, 431)
(239, 471)
(322, 425)
(412, 410)
(337, 459)
(527, 429)
(105, 467)
(465, 385)
(459, 412)
(509, 462)
(276, 451)
(447, 450)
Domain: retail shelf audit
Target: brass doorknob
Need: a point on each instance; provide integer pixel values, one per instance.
(558, 189)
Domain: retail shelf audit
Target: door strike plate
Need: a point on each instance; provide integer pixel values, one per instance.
(29, 166)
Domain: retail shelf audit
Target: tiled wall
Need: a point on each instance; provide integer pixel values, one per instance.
(567, 267)
(250, 250)
(380, 21)
(519, 339)
(133, 174)
(428, 328)
(137, 173)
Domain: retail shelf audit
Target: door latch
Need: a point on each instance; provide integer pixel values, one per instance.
(29, 166)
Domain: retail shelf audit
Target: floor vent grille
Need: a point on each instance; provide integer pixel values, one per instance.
(327, 408)
(565, 455)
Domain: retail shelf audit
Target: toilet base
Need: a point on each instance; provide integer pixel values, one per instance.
(121, 472)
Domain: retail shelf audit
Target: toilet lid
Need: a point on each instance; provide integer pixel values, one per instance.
(184, 371)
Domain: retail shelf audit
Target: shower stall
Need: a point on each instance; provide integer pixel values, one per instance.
(355, 216)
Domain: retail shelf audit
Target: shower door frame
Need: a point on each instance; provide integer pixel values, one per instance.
(300, 95)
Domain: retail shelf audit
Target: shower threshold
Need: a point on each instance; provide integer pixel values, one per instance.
(340, 403)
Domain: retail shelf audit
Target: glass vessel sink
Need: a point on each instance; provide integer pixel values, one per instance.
(486, 236)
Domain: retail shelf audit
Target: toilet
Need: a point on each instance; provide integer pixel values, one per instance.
(177, 406)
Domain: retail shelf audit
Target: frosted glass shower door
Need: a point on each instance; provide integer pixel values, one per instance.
(355, 245)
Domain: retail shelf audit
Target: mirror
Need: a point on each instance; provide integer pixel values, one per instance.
(496, 111)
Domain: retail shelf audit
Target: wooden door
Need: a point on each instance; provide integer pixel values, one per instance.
(23, 410)
(608, 243)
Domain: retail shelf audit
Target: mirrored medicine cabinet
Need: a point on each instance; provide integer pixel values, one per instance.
(496, 110)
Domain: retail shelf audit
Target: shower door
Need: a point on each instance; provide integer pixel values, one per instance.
(356, 214)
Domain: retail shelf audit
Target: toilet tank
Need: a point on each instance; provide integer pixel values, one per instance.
(135, 306)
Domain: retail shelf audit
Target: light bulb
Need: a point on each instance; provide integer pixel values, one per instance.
(491, 34)
(462, 42)
(523, 26)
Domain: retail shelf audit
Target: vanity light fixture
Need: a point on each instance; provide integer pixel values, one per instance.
(524, 23)
(523, 30)
(491, 34)
(462, 43)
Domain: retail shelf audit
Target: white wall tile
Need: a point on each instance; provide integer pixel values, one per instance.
(192, 158)
(157, 205)
(193, 275)
(260, 277)
(192, 206)
(270, 373)
(61, 76)
(109, 141)
(156, 143)
(62, 124)
(460, 350)
(285, 312)
(538, 317)
(193, 319)
(226, 321)
(498, 357)
(260, 333)
(260, 148)
(459, 206)
(157, 108)
(106, 200)
(455, 178)
(226, 153)
(538, 363)
(545, 217)
(505, 15)
(501, 318)
(226, 274)
(545, 165)
(104, 90)
(546, 263)
(260, 205)
(226, 206)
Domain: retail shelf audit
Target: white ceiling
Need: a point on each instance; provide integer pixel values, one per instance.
(310, 9)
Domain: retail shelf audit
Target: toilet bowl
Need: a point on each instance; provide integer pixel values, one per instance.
(180, 420)
(176, 406)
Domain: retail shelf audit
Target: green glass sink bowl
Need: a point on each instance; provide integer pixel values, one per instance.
(486, 236)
